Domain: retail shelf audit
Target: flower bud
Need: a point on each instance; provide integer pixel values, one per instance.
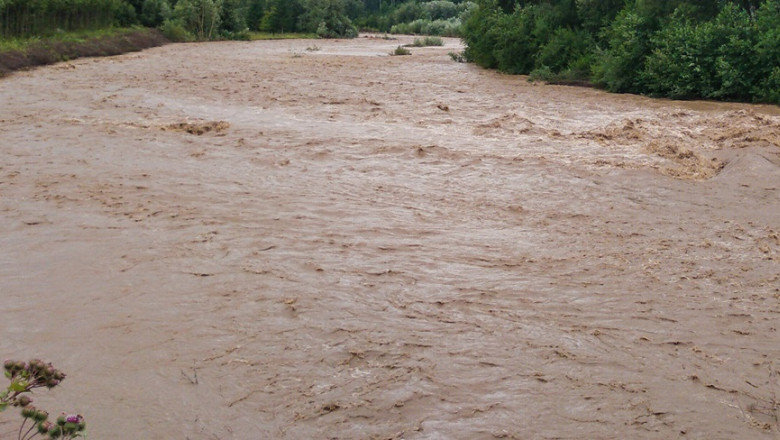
(70, 428)
(23, 401)
(59, 375)
(45, 427)
(55, 432)
(61, 419)
(40, 416)
(9, 365)
(28, 411)
(51, 383)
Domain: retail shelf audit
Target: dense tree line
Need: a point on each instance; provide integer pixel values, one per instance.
(22, 18)
(209, 19)
(714, 49)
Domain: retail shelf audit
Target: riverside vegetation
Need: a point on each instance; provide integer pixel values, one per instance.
(683, 49)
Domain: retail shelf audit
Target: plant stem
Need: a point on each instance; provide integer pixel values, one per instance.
(28, 431)
(19, 436)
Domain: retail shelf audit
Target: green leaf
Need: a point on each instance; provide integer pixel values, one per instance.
(18, 386)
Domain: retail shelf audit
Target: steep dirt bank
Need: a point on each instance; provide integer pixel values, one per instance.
(52, 51)
(300, 239)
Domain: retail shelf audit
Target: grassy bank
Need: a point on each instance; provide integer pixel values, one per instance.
(17, 54)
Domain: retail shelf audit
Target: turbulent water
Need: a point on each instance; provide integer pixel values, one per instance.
(312, 239)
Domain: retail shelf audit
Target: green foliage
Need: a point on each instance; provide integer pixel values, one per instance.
(199, 17)
(618, 67)
(328, 18)
(282, 16)
(481, 34)
(400, 50)
(23, 18)
(713, 59)
(444, 28)
(427, 42)
(175, 31)
(440, 10)
(155, 12)
(767, 52)
(686, 49)
(457, 57)
(233, 16)
(567, 55)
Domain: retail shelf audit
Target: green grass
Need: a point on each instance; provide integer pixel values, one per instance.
(253, 36)
(22, 44)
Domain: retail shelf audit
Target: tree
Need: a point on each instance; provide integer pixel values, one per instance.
(201, 17)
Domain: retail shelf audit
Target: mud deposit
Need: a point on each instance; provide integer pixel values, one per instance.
(274, 240)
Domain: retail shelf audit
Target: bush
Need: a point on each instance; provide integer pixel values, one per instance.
(233, 16)
(767, 52)
(567, 49)
(400, 50)
(516, 45)
(713, 59)
(155, 12)
(328, 18)
(444, 28)
(175, 31)
(199, 17)
(457, 57)
(618, 68)
(440, 9)
(480, 32)
(428, 41)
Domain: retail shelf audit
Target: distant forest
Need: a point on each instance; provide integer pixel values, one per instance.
(219, 19)
(684, 49)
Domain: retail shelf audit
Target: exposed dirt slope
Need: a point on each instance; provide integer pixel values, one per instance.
(49, 51)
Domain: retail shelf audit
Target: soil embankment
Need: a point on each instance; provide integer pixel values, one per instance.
(50, 51)
(312, 239)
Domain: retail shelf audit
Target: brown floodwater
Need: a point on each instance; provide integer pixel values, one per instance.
(313, 239)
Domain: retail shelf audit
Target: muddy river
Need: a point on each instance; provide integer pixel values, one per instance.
(316, 240)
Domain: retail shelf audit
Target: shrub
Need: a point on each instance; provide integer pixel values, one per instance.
(516, 46)
(457, 57)
(328, 18)
(428, 41)
(567, 48)
(155, 12)
(440, 9)
(480, 32)
(199, 17)
(618, 67)
(400, 50)
(767, 50)
(713, 59)
(175, 31)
